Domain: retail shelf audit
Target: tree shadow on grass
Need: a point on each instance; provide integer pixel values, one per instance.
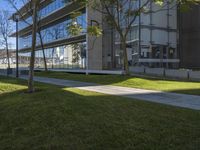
(104, 79)
(190, 91)
(66, 118)
(187, 91)
(160, 84)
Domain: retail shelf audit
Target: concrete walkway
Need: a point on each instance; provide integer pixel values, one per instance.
(180, 100)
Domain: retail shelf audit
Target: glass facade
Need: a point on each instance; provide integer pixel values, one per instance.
(55, 32)
(152, 41)
(72, 56)
(149, 42)
(47, 10)
(23, 24)
(132, 47)
(64, 57)
(132, 39)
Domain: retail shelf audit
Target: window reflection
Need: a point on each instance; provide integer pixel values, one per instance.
(55, 32)
(51, 8)
(64, 57)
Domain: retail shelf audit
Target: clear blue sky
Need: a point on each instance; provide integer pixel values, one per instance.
(4, 5)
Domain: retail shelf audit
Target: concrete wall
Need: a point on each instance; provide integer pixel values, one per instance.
(6, 72)
(194, 75)
(155, 71)
(137, 69)
(94, 44)
(3, 71)
(176, 73)
(171, 73)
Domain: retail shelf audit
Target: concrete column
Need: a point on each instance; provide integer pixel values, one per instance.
(94, 44)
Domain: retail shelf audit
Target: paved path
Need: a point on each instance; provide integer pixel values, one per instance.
(180, 100)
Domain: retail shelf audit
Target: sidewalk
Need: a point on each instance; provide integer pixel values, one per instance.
(180, 100)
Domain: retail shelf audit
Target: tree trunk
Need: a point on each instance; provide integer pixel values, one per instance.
(52, 57)
(7, 52)
(32, 59)
(42, 46)
(125, 57)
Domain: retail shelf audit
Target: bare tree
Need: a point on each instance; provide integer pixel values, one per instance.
(54, 33)
(42, 46)
(35, 7)
(41, 40)
(32, 8)
(28, 9)
(122, 14)
(5, 30)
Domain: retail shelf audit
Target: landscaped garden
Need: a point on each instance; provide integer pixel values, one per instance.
(184, 87)
(62, 118)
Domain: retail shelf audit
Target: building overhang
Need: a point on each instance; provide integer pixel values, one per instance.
(57, 43)
(25, 10)
(51, 18)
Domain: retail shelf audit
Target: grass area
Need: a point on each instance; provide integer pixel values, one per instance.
(184, 87)
(64, 118)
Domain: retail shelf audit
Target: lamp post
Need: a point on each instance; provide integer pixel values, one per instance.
(16, 19)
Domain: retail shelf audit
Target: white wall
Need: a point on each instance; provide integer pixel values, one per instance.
(94, 45)
(160, 24)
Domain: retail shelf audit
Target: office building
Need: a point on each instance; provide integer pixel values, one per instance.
(153, 40)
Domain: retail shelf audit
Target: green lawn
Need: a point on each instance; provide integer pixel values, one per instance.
(64, 118)
(130, 81)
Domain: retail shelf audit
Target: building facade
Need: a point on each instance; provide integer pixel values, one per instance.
(61, 49)
(4, 58)
(152, 41)
(189, 29)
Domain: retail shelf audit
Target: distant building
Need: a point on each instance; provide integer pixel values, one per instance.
(4, 59)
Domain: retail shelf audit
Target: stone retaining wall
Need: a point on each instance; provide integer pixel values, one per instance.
(172, 73)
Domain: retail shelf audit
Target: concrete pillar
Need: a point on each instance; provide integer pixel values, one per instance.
(94, 44)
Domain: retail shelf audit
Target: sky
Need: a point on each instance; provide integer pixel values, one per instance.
(4, 5)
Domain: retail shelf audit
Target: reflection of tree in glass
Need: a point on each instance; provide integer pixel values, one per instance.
(74, 28)
(76, 53)
(55, 33)
(5, 30)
